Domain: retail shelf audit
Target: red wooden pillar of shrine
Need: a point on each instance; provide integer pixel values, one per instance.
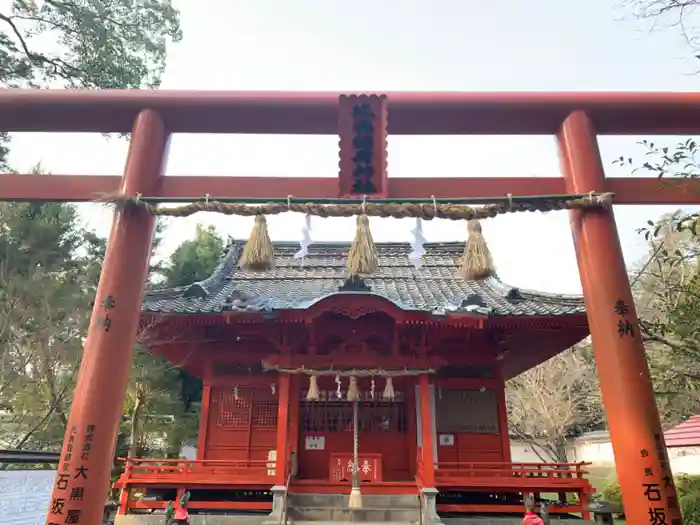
(84, 471)
(284, 388)
(648, 492)
(203, 418)
(426, 422)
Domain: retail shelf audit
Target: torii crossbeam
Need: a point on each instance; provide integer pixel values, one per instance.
(362, 124)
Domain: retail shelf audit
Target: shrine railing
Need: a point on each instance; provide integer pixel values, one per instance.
(560, 478)
(462, 473)
(525, 474)
(222, 472)
(501, 477)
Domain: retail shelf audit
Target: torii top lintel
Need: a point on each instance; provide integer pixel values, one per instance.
(402, 113)
(412, 113)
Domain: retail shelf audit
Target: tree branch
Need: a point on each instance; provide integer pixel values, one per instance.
(60, 67)
(654, 337)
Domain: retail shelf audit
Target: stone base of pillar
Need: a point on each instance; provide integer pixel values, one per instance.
(279, 499)
(430, 515)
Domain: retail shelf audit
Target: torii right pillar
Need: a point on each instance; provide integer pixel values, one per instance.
(646, 482)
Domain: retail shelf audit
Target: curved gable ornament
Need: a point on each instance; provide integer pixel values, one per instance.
(355, 306)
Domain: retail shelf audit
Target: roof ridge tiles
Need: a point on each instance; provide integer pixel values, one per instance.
(293, 286)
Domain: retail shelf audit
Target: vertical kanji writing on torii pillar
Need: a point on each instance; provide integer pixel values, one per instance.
(646, 483)
(82, 480)
(362, 130)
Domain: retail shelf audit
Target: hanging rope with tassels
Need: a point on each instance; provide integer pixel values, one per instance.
(258, 252)
(427, 209)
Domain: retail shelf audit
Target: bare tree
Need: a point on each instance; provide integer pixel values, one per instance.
(667, 295)
(553, 402)
(679, 15)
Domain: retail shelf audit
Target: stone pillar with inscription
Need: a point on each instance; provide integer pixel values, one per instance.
(82, 480)
(362, 128)
(648, 491)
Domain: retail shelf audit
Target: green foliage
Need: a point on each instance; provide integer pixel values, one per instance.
(47, 282)
(687, 488)
(49, 269)
(196, 259)
(666, 291)
(690, 507)
(161, 395)
(50, 264)
(687, 484)
(670, 162)
(611, 491)
(84, 44)
(121, 450)
(667, 287)
(94, 43)
(165, 417)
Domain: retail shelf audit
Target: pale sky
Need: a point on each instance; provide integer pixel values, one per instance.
(378, 46)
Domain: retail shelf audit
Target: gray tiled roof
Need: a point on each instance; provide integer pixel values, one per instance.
(294, 284)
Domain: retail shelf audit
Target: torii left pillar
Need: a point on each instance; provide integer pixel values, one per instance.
(82, 480)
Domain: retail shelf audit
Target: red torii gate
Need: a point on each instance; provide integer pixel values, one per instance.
(575, 118)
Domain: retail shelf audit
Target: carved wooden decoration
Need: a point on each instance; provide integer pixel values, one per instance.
(362, 127)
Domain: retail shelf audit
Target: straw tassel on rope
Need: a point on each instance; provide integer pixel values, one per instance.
(353, 391)
(389, 389)
(312, 394)
(362, 256)
(477, 262)
(257, 253)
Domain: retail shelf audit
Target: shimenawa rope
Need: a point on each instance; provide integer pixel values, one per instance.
(397, 210)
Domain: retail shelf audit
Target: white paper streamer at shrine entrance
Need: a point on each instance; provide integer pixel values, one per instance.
(417, 244)
(305, 241)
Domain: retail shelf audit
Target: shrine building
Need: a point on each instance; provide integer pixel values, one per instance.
(423, 352)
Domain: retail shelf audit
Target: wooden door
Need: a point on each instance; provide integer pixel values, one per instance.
(468, 426)
(242, 423)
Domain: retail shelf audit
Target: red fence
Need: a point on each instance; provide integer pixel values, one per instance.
(138, 472)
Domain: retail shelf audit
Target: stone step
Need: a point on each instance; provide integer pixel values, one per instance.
(298, 522)
(363, 515)
(485, 520)
(479, 520)
(394, 501)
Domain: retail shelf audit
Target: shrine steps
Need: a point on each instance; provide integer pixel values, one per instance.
(475, 520)
(348, 522)
(376, 508)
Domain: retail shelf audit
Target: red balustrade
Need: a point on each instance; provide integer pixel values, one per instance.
(139, 472)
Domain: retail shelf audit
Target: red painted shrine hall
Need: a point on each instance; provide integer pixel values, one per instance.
(429, 351)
